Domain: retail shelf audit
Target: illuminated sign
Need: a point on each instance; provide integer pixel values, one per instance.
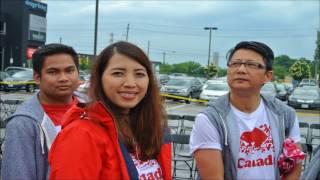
(36, 5)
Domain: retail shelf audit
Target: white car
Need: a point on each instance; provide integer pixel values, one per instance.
(213, 90)
(83, 88)
(212, 81)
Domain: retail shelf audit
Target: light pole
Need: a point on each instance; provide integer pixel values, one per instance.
(96, 29)
(210, 29)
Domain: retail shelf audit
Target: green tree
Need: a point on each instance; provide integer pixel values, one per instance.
(212, 70)
(84, 63)
(283, 60)
(222, 72)
(300, 69)
(165, 68)
(279, 72)
(190, 68)
(281, 65)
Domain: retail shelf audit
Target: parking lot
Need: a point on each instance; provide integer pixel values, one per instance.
(183, 109)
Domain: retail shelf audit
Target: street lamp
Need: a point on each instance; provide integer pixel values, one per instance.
(210, 29)
(96, 29)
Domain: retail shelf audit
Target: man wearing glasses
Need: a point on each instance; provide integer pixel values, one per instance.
(240, 136)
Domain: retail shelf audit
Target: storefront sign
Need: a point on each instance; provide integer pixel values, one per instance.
(36, 5)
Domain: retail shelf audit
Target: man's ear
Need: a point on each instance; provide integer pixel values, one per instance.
(268, 76)
(36, 77)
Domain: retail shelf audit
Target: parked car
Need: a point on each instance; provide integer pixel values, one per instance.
(83, 88)
(212, 81)
(269, 89)
(3, 75)
(178, 75)
(203, 80)
(289, 87)
(282, 92)
(184, 86)
(305, 97)
(83, 76)
(162, 78)
(13, 69)
(20, 80)
(307, 82)
(213, 90)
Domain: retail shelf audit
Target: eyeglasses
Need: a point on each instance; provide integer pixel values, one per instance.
(247, 64)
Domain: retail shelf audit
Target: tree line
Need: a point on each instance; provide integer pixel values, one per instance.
(283, 66)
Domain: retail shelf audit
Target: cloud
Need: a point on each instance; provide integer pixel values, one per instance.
(287, 26)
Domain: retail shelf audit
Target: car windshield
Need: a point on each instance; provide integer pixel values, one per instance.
(281, 86)
(3, 75)
(306, 92)
(268, 87)
(179, 82)
(217, 87)
(22, 74)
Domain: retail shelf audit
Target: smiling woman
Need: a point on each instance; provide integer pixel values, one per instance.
(122, 133)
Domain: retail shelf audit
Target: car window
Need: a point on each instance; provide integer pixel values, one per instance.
(179, 82)
(21, 74)
(3, 75)
(197, 82)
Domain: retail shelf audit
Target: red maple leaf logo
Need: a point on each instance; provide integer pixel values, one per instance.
(259, 139)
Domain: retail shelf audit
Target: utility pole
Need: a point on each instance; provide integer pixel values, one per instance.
(96, 29)
(111, 38)
(127, 35)
(164, 57)
(60, 39)
(148, 47)
(317, 57)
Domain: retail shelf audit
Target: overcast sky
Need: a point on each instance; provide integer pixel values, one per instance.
(176, 27)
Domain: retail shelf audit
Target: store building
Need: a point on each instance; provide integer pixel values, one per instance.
(23, 27)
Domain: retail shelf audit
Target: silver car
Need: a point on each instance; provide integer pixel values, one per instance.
(307, 97)
(183, 86)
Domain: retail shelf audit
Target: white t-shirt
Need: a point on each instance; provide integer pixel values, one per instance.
(256, 151)
(147, 169)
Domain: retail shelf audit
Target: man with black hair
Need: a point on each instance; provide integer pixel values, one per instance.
(240, 136)
(31, 130)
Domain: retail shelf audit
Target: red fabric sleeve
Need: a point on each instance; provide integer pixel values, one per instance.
(164, 159)
(75, 155)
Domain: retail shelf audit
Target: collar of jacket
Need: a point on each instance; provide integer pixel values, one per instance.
(100, 114)
(222, 104)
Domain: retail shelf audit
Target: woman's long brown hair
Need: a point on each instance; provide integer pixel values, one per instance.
(147, 120)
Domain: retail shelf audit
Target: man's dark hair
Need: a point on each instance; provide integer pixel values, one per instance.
(258, 47)
(40, 55)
